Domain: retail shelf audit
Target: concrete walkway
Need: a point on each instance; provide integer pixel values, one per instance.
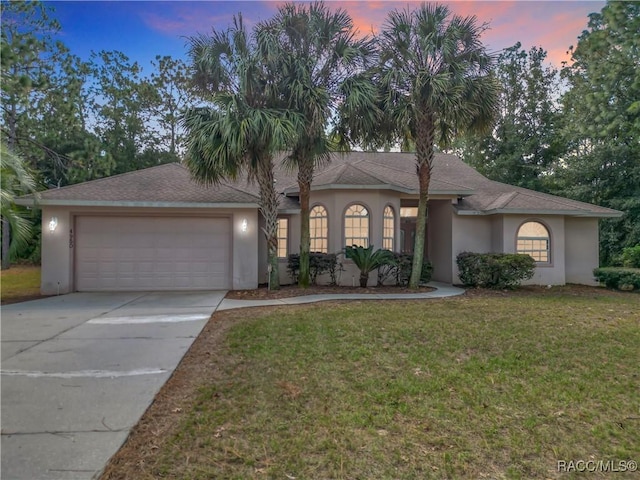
(79, 370)
(442, 290)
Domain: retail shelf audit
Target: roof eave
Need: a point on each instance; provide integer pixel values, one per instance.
(386, 186)
(124, 203)
(524, 211)
(339, 186)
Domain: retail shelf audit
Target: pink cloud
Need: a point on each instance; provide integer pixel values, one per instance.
(177, 18)
(552, 25)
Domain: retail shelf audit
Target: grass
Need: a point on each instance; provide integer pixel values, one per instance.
(472, 387)
(20, 282)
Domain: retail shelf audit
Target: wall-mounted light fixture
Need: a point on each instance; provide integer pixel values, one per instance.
(244, 225)
(53, 223)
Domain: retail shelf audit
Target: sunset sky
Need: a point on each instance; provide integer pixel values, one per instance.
(143, 29)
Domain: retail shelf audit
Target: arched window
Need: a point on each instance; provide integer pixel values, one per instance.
(318, 229)
(283, 237)
(388, 228)
(533, 239)
(356, 226)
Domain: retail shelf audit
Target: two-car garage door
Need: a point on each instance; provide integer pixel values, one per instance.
(152, 253)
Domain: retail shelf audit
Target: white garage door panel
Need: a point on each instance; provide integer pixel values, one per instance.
(152, 253)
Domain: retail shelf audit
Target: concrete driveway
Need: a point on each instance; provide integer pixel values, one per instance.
(79, 370)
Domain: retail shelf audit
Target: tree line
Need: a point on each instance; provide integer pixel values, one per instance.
(74, 119)
(306, 82)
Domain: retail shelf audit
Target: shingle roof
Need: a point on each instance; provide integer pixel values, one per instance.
(394, 170)
(166, 184)
(172, 185)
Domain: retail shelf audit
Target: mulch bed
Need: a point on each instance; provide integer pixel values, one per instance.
(287, 291)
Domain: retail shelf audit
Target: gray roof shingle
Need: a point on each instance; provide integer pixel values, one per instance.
(172, 184)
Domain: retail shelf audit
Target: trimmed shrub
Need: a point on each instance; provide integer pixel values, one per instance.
(619, 278)
(631, 257)
(319, 263)
(494, 270)
(401, 269)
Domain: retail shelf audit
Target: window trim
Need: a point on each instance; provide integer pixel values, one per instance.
(344, 223)
(549, 239)
(393, 227)
(286, 239)
(326, 232)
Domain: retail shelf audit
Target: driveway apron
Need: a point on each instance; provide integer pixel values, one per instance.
(79, 370)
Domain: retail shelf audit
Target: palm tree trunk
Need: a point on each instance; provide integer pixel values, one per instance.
(424, 158)
(269, 209)
(305, 176)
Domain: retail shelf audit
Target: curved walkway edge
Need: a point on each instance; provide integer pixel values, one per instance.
(442, 290)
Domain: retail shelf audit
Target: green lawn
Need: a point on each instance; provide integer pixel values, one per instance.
(20, 282)
(470, 387)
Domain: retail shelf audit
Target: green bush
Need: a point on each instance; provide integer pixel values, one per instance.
(400, 269)
(319, 264)
(368, 260)
(619, 278)
(494, 270)
(631, 257)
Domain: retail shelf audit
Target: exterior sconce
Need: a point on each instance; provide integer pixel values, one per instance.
(244, 225)
(53, 224)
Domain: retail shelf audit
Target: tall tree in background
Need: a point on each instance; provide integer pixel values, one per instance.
(437, 82)
(601, 125)
(60, 125)
(242, 128)
(44, 99)
(28, 58)
(316, 57)
(523, 144)
(121, 102)
(173, 92)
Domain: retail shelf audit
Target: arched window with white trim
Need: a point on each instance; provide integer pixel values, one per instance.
(356, 226)
(533, 239)
(319, 229)
(283, 237)
(388, 228)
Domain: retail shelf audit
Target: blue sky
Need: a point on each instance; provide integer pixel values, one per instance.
(143, 29)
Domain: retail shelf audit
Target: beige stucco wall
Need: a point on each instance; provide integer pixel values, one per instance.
(58, 255)
(336, 202)
(497, 239)
(497, 233)
(554, 273)
(582, 250)
(440, 231)
(57, 258)
(470, 234)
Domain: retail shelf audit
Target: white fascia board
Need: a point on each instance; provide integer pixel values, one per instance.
(522, 211)
(353, 187)
(386, 186)
(103, 203)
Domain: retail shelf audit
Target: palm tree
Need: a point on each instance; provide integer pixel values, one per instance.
(241, 130)
(367, 260)
(15, 180)
(316, 57)
(435, 76)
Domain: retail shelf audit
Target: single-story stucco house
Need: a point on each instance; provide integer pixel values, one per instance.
(157, 229)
